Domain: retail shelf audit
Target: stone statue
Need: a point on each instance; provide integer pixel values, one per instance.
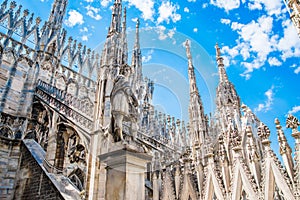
(124, 105)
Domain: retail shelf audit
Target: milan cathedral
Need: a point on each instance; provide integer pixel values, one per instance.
(78, 125)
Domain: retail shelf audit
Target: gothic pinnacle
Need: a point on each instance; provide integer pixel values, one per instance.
(115, 26)
(137, 35)
(219, 58)
(188, 52)
(57, 13)
(191, 72)
(196, 112)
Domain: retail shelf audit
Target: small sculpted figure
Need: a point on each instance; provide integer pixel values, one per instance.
(124, 105)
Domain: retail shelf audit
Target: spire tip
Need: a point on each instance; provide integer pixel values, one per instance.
(218, 51)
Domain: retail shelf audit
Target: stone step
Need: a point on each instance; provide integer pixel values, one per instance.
(63, 184)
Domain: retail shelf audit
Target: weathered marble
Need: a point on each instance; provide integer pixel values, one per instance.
(125, 174)
(62, 137)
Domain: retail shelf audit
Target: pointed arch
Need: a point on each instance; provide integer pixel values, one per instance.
(84, 139)
(61, 82)
(82, 92)
(38, 126)
(69, 147)
(72, 87)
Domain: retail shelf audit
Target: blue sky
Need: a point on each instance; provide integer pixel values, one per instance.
(260, 46)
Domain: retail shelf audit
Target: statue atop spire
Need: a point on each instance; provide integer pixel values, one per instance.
(53, 26)
(219, 58)
(117, 38)
(124, 38)
(115, 26)
(136, 61)
(191, 72)
(137, 35)
(188, 50)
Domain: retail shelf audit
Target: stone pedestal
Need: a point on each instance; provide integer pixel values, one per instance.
(125, 174)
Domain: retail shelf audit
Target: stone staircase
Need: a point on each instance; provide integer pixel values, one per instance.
(62, 187)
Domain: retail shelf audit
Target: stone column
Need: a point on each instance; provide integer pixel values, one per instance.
(125, 174)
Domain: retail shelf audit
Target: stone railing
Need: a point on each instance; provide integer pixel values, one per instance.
(69, 106)
(157, 142)
(51, 168)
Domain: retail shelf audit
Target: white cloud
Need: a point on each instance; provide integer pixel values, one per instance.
(227, 5)
(255, 6)
(74, 18)
(163, 33)
(167, 12)
(90, 1)
(134, 19)
(259, 39)
(195, 30)
(274, 62)
(93, 12)
(145, 6)
(257, 34)
(171, 32)
(191, 0)
(289, 44)
(84, 38)
(105, 3)
(232, 52)
(84, 29)
(236, 26)
(148, 56)
(205, 5)
(294, 110)
(250, 66)
(255, 42)
(266, 106)
(297, 70)
(271, 7)
(225, 21)
(186, 9)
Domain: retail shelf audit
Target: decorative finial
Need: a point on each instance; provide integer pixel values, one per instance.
(264, 133)
(188, 49)
(137, 23)
(218, 51)
(284, 146)
(236, 139)
(292, 123)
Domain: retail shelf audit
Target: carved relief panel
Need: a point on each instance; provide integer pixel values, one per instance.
(72, 88)
(82, 92)
(60, 83)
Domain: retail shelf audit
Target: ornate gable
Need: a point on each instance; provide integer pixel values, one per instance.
(168, 189)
